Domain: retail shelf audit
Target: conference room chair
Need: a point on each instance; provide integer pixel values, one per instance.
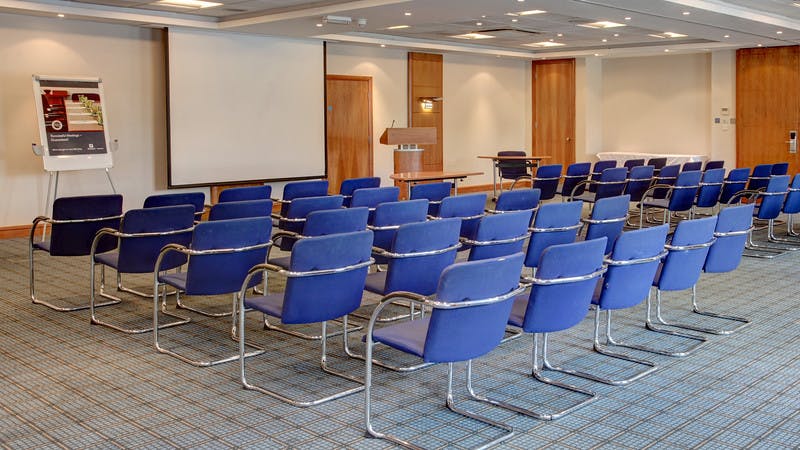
(388, 218)
(301, 189)
(639, 180)
(240, 194)
(555, 223)
(715, 164)
(692, 165)
(679, 271)
(769, 205)
(598, 169)
(470, 208)
(372, 197)
(141, 236)
(220, 255)
(558, 300)
(467, 320)
(759, 178)
(433, 192)
(196, 199)
(325, 281)
(240, 209)
(611, 183)
(517, 200)
(73, 226)
(607, 219)
(512, 170)
(657, 163)
(791, 205)
(293, 215)
(630, 270)
(631, 163)
(735, 182)
(680, 197)
(546, 180)
(419, 254)
(576, 173)
(781, 168)
(499, 235)
(710, 189)
(349, 185)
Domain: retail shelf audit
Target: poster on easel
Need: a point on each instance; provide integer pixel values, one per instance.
(72, 124)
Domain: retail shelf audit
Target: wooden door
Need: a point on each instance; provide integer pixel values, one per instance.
(425, 79)
(767, 105)
(554, 110)
(348, 116)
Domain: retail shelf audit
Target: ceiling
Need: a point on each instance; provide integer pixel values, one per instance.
(502, 29)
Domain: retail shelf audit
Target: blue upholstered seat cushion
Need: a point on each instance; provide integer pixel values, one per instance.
(177, 280)
(408, 336)
(271, 304)
(376, 282)
(517, 317)
(110, 259)
(281, 261)
(43, 245)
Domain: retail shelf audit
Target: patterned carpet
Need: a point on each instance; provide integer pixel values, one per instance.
(67, 384)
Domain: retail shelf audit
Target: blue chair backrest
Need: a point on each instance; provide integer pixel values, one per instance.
(667, 175)
(657, 163)
(615, 177)
(334, 221)
(685, 190)
(781, 168)
(609, 215)
(138, 254)
(626, 285)
(301, 189)
(469, 207)
(735, 182)
(771, 205)
(792, 203)
(512, 169)
(389, 216)
(75, 239)
(714, 165)
(681, 268)
(563, 219)
(597, 171)
(433, 192)
(710, 188)
(240, 210)
(518, 200)
(372, 197)
(692, 165)
(760, 177)
(239, 194)
(547, 178)
(461, 334)
(639, 181)
(321, 297)
(576, 173)
(224, 273)
(631, 163)
(349, 186)
(499, 227)
(299, 208)
(196, 199)
(420, 274)
(556, 307)
(731, 233)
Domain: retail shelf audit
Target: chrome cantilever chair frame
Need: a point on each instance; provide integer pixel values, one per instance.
(764, 251)
(190, 252)
(120, 235)
(790, 220)
(323, 335)
(667, 216)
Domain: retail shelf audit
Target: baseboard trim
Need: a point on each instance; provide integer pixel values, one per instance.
(17, 231)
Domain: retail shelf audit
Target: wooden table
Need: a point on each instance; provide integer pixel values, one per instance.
(531, 161)
(410, 178)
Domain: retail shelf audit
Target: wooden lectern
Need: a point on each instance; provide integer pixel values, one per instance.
(407, 154)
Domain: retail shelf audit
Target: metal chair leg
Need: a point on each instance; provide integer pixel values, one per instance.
(788, 240)
(696, 310)
(53, 306)
(380, 363)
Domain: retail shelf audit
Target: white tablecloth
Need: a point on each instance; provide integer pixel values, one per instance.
(672, 158)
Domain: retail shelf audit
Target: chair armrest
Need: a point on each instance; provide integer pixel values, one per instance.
(579, 184)
(751, 193)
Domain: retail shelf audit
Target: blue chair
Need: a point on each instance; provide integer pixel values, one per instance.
(555, 223)
(631, 163)
(467, 320)
(349, 186)
(735, 182)
(546, 180)
(760, 177)
(781, 168)
(293, 215)
(301, 189)
(716, 164)
(372, 197)
(470, 208)
(388, 218)
(499, 235)
(791, 205)
(517, 200)
(597, 172)
(639, 180)
(325, 281)
(680, 197)
(657, 163)
(240, 194)
(576, 173)
(769, 205)
(433, 192)
(240, 209)
(559, 298)
(607, 219)
(196, 199)
(710, 189)
(220, 255)
(692, 165)
(513, 170)
(666, 176)
(73, 226)
(142, 234)
(626, 283)
(610, 183)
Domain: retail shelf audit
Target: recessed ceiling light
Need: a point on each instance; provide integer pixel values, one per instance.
(796, 4)
(627, 18)
(544, 44)
(483, 16)
(779, 32)
(319, 24)
(657, 36)
(560, 34)
(673, 35)
(616, 34)
(397, 27)
(383, 45)
(188, 4)
(727, 36)
(602, 24)
(597, 54)
(61, 16)
(686, 13)
(478, 23)
(408, 13)
(605, 40)
(529, 12)
(473, 36)
(552, 40)
(666, 50)
(760, 45)
(515, 20)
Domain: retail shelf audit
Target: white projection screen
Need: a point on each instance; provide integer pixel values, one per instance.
(244, 108)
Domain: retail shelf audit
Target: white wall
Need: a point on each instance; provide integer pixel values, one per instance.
(588, 108)
(723, 95)
(657, 104)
